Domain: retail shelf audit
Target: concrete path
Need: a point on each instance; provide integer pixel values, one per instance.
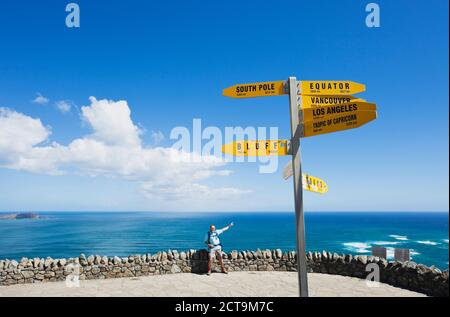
(245, 284)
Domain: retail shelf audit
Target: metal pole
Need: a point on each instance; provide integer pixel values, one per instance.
(298, 189)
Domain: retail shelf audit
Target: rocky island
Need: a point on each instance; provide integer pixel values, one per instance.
(23, 215)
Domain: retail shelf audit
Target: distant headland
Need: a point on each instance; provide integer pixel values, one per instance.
(21, 215)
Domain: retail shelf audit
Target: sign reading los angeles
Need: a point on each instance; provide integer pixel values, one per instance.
(263, 89)
(329, 87)
(319, 113)
(257, 148)
(313, 101)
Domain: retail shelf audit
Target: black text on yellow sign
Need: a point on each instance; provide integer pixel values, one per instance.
(313, 101)
(314, 184)
(330, 87)
(263, 89)
(337, 122)
(257, 148)
(319, 113)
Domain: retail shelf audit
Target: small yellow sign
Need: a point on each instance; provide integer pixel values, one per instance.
(263, 89)
(312, 101)
(339, 122)
(256, 148)
(319, 113)
(330, 87)
(314, 184)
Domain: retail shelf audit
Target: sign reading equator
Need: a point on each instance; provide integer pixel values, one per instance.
(329, 87)
(262, 89)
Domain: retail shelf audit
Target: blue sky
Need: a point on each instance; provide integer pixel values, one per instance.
(170, 62)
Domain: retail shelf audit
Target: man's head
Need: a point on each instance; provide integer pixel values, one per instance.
(212, 228)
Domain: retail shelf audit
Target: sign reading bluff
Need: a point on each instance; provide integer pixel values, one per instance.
(256, 148)
(329, 87)
(269, 88)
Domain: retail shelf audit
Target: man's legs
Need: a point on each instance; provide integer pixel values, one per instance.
(211, 259)
(221, 261)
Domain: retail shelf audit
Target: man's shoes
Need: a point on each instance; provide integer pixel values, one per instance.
(224, 272)
(209, 273)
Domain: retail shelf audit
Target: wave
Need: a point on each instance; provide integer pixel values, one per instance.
(365, 247)
(445, 240)
(397, 237)
(358, 247)
(428, 242)
(385, 242)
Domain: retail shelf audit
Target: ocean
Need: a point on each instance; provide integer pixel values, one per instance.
(67, 234)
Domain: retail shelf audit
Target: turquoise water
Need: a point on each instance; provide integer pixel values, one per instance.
(67, 234)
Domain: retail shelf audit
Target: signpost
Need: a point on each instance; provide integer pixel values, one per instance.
(316, 107)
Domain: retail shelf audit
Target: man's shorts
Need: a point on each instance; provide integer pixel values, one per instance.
(212, 251)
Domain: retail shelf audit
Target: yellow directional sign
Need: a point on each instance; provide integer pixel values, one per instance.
(330, 87)
(312, 101)
(319, 113)
(256, 148)
(314, 184)
(337, 122)
(263, 89)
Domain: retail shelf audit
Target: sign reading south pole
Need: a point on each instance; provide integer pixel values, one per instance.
(329, 87)
(262, 89)
(257, 148)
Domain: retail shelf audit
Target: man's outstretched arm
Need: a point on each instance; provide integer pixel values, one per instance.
(225, 228)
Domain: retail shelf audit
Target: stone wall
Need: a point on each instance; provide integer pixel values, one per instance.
(408, 275)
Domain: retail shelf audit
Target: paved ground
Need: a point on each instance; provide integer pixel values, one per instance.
(246, 284)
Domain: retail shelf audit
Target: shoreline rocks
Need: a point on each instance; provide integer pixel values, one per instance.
(408, 275)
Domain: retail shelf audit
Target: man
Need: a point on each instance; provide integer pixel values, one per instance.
(213, 242)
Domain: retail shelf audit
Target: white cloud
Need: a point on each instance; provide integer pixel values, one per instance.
(111, 122)
(63, 105)
(113, 149)
(41, 100)
(157, 137)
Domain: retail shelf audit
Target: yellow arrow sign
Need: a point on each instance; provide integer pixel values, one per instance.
(263, 89)
(330, 87)
(256, 148)
(309, 182)
(312, 101)
(319, 113)
(314, 184)
(339, 122)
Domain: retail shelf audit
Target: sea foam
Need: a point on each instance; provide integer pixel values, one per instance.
(397, 237)
(428, 242)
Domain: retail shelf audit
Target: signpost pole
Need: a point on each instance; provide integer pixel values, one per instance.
(298, 189)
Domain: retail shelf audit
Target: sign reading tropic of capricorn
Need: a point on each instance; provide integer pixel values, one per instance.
(316, 107)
